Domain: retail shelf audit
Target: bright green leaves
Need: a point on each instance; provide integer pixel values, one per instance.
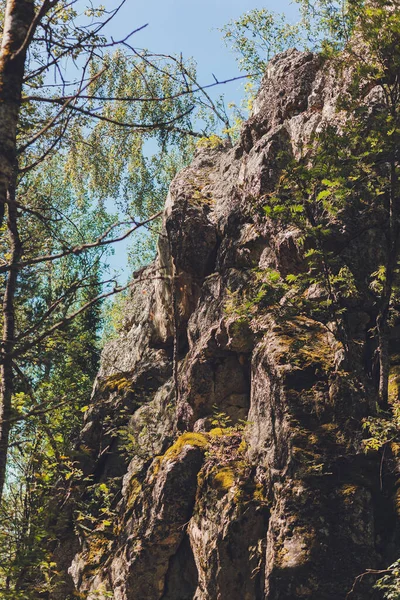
(257, 36)
(324, 25)
(323, 194)
(345, 284)
(95, 12)
(328, 24)
(379, 24)
(264, 290)
(116, 162)
(384, 428)
(348, 183)
(377, 280)
(389, 584)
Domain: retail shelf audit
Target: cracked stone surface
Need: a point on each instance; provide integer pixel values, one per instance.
(285, 504)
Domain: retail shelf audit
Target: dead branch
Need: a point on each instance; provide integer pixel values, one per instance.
(362, 575)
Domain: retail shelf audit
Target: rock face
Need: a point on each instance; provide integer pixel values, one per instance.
(231, 446)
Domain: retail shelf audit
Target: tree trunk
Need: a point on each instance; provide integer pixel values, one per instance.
(391, 264)
(384, 362)
(19, 16)
(6, 368)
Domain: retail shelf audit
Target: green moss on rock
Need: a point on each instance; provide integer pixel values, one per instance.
(197, 440)
(119, 382)
(224, 479)
(134, 489)
(220, 431)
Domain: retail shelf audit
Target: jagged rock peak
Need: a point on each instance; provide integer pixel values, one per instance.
(272, 497)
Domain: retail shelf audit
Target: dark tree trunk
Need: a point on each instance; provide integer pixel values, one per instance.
(389, 284)
(6, 368)
(18, 20)
(384, 362)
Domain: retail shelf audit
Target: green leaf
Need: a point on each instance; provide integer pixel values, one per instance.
(324, 194)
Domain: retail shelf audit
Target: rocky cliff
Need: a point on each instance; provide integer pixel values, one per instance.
(230, 443)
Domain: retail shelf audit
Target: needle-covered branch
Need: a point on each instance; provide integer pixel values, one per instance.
(21, 350)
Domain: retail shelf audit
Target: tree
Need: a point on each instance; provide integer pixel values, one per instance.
(64, 145)
(355, 175)
(345, 188)
(75, 176)
(48, 401)
(257, 36)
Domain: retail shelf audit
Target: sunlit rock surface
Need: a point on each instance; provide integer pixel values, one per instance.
(285, 504)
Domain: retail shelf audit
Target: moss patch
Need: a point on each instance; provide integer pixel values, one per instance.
(260, 494)
(156, 464)
(134, 489)
(242, 447)
(213, 141)
(219, 431)
(198, 440)
(394, 383)
(119, 382)
(224, 479)
(304, 344)
(348, 493)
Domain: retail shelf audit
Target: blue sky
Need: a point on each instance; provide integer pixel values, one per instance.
(189, 27)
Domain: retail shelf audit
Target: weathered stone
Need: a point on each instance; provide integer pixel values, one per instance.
(272, 498)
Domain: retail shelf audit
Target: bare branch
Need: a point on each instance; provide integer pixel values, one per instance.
(64, 321)
(72, 288)
(76, 250)
(138, 126)
(54, 119)
(135, 98)
(362, 575)
(53, 145)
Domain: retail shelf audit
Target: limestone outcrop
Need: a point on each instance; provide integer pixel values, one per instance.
(232, 442)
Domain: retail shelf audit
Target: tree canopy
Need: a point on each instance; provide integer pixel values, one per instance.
(78, 114)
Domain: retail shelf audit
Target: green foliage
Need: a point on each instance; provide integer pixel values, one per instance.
(383, 429)
(48, 410)
(389, 584)
(264, 290)
(346, 184)
(257, 36)
(345, 181)
(353, 175)
(113, 162)
(220, 419)
(324, 25)
(95, 514)
(106, 173)
(88, 164)
(328, 24)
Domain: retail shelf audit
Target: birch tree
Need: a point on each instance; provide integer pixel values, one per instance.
(91, 125)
